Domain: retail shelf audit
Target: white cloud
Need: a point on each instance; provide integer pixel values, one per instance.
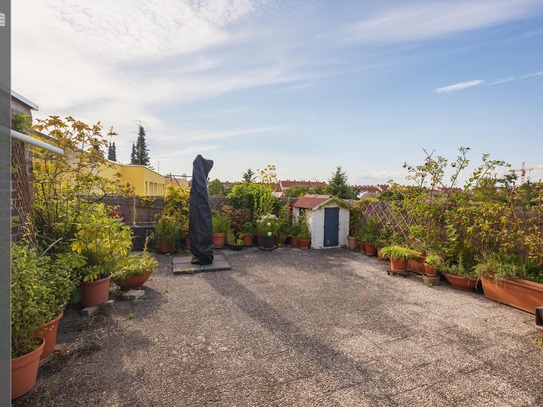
(459, 86)
(516, 78)
(422, 20)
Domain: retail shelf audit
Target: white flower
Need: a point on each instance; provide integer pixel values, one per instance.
(269, 224)
(269, 233)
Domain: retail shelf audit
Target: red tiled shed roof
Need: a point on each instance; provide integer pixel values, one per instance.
(310, 201)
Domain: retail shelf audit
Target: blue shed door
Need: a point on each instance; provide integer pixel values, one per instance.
(331, 227)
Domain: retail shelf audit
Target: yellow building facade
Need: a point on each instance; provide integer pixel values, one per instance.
(145, 181)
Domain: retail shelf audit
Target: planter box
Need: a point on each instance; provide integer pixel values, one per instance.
(522, 294)
(416, 266)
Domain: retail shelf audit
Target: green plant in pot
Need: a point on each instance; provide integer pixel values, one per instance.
(247, 231)
(104, 245)
(460, 273)
(40, 287)
(399, 257)
(167, 230)
(268, 226)
(136, 270)
(304, 234)
(433, 264)
(235, 241)
(220, 223)
(370, 233)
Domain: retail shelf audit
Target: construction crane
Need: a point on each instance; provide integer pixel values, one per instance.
(524, 169)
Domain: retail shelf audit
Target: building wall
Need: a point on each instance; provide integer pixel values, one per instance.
(144, 180)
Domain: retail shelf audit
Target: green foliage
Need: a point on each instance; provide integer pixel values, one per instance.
(21, 123)
(220, 222)
(249, 176)
(435, 261)
(398, 252)
(136, 265)
(216, 188)
(303, 231)
(337, 185)
(258, 198)
(64, 188)
(460, 266)
(370, 230)
(296, 191)
(176, 205)
(103, 242)
(168, 227)
(268, 225)
(40, 287)
(503, 266)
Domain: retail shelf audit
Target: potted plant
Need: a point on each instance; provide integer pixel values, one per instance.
(399, 257)
(369, 233)
(294, 232)
(167, 231)
(432, 264)
(304, 234)
(221, 226)
(247, 232)
(104, 245)
(136, 270)
(267, 226)
(40, 287)
(511, 280)
(235, 241)
(28, 296)
(460, 273)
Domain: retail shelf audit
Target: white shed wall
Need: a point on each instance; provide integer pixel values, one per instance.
(317, 227)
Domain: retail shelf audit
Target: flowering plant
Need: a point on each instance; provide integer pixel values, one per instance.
(268, 225)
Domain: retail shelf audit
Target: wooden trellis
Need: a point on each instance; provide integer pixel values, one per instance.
(397, 221)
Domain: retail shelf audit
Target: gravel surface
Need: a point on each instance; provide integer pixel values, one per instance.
(295, 328)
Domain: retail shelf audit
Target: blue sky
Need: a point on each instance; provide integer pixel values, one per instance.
(304, 85)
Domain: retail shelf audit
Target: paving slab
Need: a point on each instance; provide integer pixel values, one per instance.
(183, 265)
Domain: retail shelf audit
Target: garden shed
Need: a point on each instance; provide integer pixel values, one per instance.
(327, 218)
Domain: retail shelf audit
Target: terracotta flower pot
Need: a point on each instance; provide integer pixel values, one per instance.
(417, 265)
(48, 332)
(219, 240)
(95, 292)
(362, 247)
(259, 239)
(398, 264)
(522, 294)
(279, 240)
(247, 240)
(24, 371)
(165, 245)
(294, 241)
(463, 284)
(370, 249)
(133, 283)
(429, 270)
(352, 242)
(304, 243)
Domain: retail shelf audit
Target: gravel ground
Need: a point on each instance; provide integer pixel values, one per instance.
(296, 328)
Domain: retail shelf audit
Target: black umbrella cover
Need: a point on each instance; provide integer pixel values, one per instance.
(200, 227)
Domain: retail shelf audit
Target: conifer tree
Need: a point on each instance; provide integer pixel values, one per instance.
(140, 152)
(112, 152)
(337, 185)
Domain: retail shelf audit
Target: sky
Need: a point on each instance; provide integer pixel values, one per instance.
(304, 85)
